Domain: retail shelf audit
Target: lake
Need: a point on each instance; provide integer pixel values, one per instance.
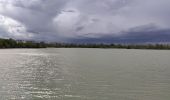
(84, 74)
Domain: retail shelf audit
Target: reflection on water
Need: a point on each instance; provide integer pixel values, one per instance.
(84, 74)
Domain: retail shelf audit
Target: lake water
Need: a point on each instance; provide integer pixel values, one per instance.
(84, 74)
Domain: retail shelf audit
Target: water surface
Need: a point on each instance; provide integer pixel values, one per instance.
(84, 74)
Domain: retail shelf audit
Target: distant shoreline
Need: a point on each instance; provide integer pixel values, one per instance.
(19, 44)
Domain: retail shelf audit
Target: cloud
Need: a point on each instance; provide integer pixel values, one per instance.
(136, 37)
(54, 20)
(115, 16)
(36, 15)
(12, 28)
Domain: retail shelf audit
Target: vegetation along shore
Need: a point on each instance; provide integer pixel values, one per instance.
(11, 43)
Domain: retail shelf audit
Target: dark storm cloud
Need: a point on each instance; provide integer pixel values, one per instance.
(62, 19)
(159, 36)
(35, 15)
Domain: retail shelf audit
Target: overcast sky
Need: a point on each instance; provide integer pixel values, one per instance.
(62, 19)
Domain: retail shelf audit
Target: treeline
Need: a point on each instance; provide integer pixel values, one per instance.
(11, 43)
(121, 46)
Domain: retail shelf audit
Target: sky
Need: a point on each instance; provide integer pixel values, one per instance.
(86, 20)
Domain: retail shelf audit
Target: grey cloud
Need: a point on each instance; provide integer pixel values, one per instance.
(61, 19)
(79, 28)
(36, 15)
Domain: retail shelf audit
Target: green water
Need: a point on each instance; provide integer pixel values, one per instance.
(84, 74)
